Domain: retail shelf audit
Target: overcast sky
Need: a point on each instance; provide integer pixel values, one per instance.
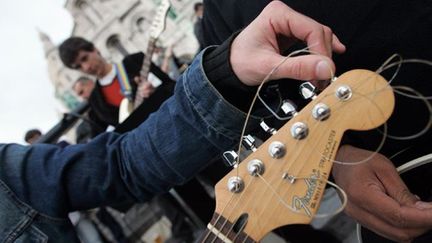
(26, 94)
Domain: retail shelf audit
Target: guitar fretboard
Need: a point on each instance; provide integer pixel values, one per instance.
(221, 230)
(145, 70)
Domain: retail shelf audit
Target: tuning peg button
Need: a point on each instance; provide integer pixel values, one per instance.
(321, 112)
(289, 108)
(307, 90)
(277, 150)
(230, 158)
(299, 130)
(344, 92)
(235, 184)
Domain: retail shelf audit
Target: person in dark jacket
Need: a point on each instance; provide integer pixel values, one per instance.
(372, 31)
(40, 184)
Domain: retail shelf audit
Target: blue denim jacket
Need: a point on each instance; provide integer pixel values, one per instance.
(40, 184)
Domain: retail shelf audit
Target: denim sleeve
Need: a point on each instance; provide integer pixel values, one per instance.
(175, 143)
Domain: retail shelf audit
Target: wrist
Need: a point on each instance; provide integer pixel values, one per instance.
(217, 66)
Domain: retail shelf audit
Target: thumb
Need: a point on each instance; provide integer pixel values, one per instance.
(307, 67)
(404, 197)
(423, 205)
(397, 189)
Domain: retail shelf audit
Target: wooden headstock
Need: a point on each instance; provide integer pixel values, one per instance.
(357, 100)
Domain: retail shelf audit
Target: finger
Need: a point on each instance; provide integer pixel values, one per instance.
(394, 185)
(423, 205)
(285, 21)
(337, 46)
(319, 38)
(381, 227)
(328, 37)
(147, 85)
(137, 80)
(390, 211)
(305, 29)
(307, 67)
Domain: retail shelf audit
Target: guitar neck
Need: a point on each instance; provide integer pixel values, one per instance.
(221, 230)
(145, 70)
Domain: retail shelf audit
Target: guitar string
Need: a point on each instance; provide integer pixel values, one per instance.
(297, 211)
(268, 76)
(255, 97)
(301, 168)
(279, 181)
(326, 215)
(394, 75)
(408, 166)
(266, 79)
(381, 142)
(309, 178)
(320, 215)
(285, 118)
(235, 208)
(419, 96)
(248, 115)
(387, 62)
(217, 219)
(323, 215)
(274, 165)
(405, 61)
(227, 216)
(387, 65)
(428, 125)
(409, 94)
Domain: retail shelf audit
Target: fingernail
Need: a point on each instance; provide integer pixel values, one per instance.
(323, 70)
(423, 205)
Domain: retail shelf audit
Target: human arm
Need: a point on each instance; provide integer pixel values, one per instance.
(168, 149)
(378, 198)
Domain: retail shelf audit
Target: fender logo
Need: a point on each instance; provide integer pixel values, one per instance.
(304, 202)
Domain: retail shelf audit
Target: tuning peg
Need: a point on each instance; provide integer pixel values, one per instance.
(230, 158)
(249, 142)
(267, 129)
(289, 108)
(307, 90)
